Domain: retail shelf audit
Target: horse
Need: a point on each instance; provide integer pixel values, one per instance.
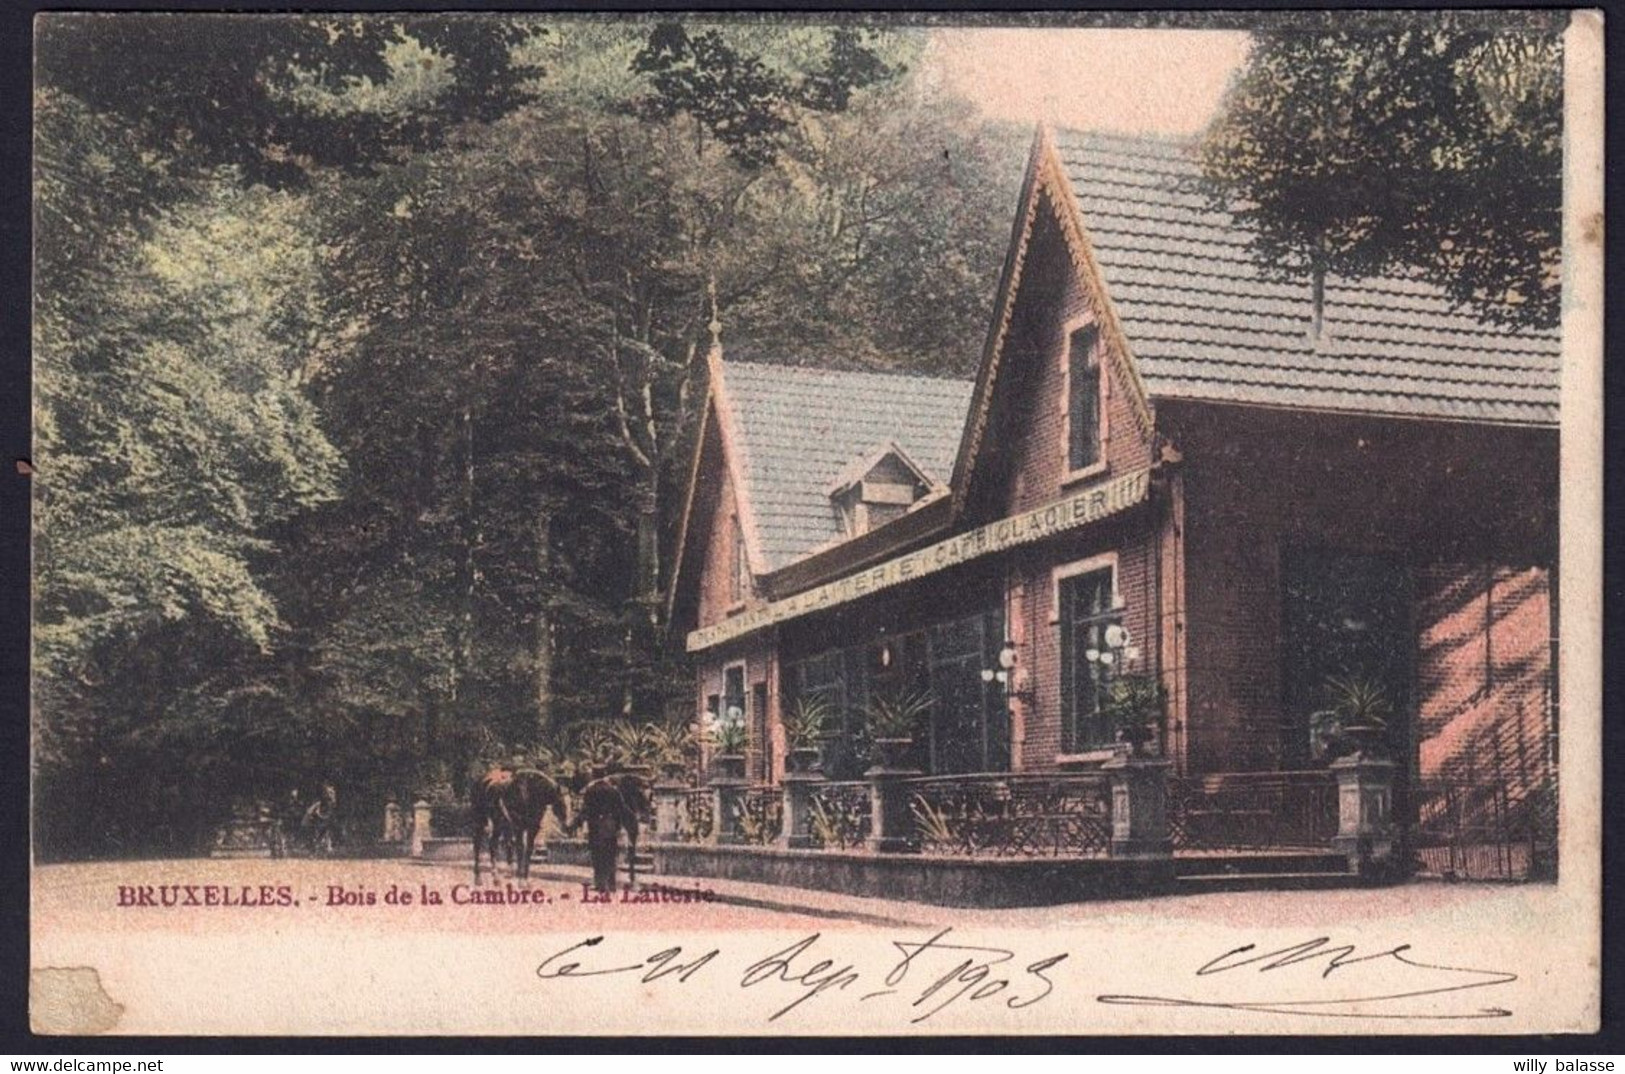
(516, 801)
(609, 805)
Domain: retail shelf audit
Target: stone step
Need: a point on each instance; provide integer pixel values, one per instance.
(1261, 863)
(1214, 883)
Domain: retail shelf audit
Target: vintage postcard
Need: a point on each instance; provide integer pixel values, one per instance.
(776, 524)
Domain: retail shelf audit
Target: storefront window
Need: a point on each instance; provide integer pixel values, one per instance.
(1346, 617)
(968, 726)
(1085, 611)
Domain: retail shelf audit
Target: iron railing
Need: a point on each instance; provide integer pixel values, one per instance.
(1253, 811)
(761, 814)
(838, 816)
(695, 819)
(1486, 831)
(1009, 815)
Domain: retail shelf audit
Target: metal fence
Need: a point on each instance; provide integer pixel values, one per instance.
(1487, 831)
(1253, 811)
(695, 819)
(1490, 812)
(761, 815)
(1012, 815)
(838, 818)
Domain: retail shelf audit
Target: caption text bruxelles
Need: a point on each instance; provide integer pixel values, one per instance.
(249, 896)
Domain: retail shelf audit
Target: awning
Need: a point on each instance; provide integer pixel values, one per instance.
(1069, 512)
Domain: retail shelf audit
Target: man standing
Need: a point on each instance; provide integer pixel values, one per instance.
(605, 812)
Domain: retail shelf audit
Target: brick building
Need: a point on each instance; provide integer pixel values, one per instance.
(1264, 482)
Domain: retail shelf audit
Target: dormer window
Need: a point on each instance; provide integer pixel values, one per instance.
(878, 488)
(1083, 398)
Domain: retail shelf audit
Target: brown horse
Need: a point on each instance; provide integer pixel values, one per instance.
(515, 803)
(610, 805)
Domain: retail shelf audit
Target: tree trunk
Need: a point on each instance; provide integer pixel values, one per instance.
(543, 667)
(462, 650)
(648, 592)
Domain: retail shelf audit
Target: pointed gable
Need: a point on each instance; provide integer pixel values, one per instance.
(1051, 308)
(799, 429)
(773, 443)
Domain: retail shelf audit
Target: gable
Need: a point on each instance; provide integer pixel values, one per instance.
(799, 430)
(1013, 454)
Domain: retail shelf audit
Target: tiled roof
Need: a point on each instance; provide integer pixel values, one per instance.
(798, 427)
(1204, 323)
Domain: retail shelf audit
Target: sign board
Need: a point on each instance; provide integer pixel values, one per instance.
(1069, 512)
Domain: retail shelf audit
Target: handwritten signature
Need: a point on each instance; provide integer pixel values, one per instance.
(1322, 955)
(929, 976)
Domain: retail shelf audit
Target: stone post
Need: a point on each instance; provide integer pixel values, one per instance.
(799, 788)
(1365, 825)
(889, 819)
(727, 800)
(421, 824)
(1140, 807)
(394, 823)
(668, 796)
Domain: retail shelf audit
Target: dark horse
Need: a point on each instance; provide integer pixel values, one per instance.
(610, 805)
(514, 803)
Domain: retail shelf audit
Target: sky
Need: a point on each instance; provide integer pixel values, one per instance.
(1137, 81)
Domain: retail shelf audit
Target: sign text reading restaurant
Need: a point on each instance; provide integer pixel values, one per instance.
(1078, 509)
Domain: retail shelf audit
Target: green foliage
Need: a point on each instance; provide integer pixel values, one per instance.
(897, 714)
(1357, 700)
(1437, 147)
(806, 721)
(675, 743)
(738, 98)
(281, 97)
(1133, 701)
(727, 733)
(173, 433)
(935, 826)
(834, 824)
(1352, 702)
(369, 355)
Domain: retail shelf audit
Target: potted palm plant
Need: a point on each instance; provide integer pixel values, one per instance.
(805, 723)
(1355, 719)
(727, 734)
(635, 746)
(1134, 707)
(893, 719)
(674, 750)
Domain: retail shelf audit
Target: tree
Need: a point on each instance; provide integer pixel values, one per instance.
(1435, 148)
(173, 322)
(168, 400)
(493, 307)
(280, 96)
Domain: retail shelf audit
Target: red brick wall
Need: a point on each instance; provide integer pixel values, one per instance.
(716, 564)
(1029, 469)
(1437, 495)
(716, 603)
(1483, 662)
(1033, 433)
(761, 662)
